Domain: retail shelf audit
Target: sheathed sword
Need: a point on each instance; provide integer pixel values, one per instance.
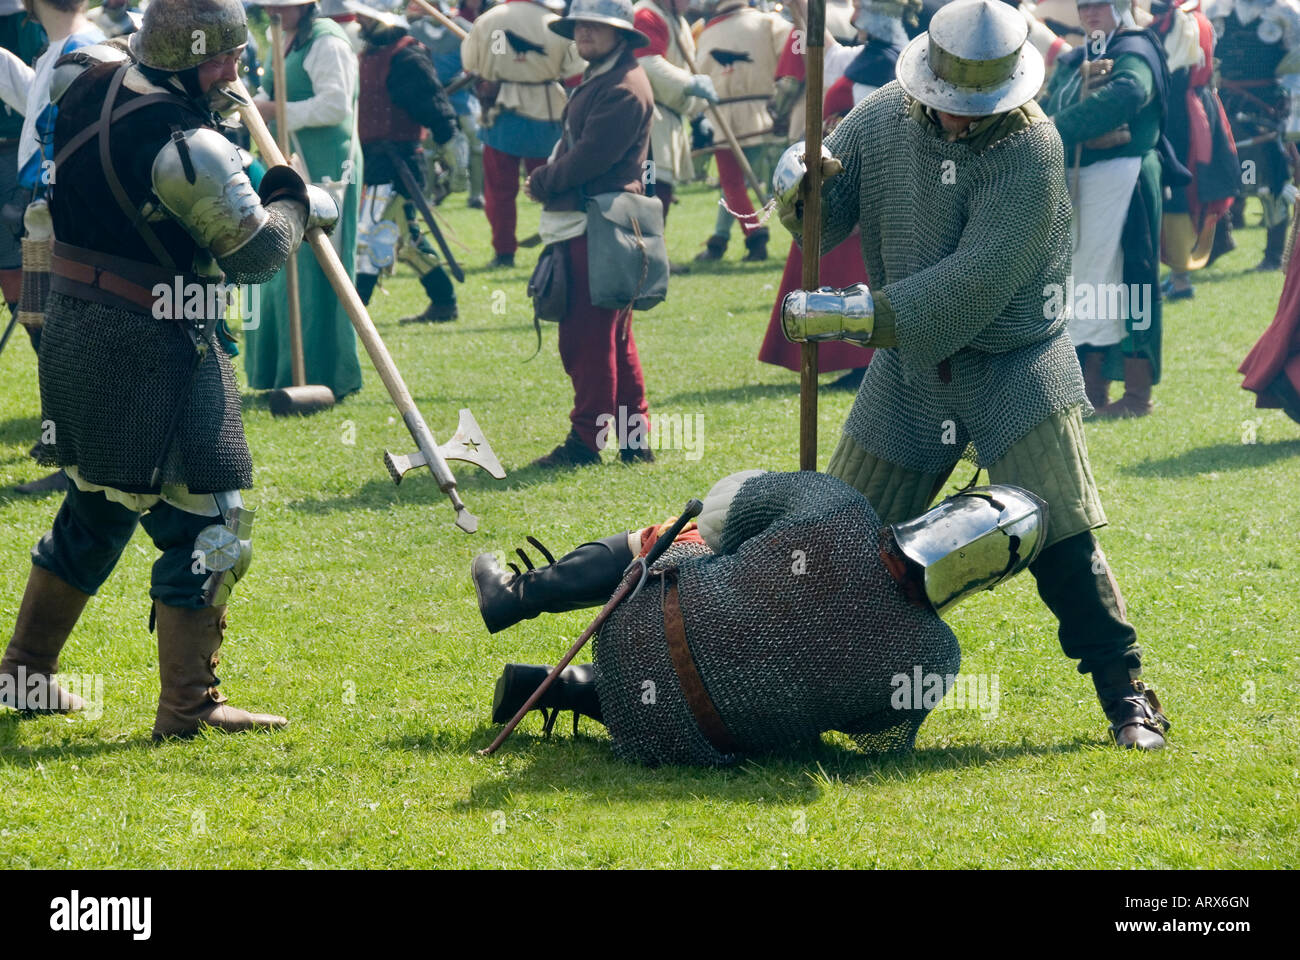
(416, 196)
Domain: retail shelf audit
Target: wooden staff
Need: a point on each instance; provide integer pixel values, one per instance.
(299, 398)
(337, 275)
(442, 18)
(282, 138)
(716, 116)
(812, 224)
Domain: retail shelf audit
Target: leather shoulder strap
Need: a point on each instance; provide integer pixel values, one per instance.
(133, 213)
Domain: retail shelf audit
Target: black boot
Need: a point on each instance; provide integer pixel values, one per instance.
(442, 298)
(1273, 248)
(574, 689)
(1136, 719)
(584, 577)
(714, 249)
(1223, 240)
(366, 283)
(756, 244)
(571, 453)
(1077, 584)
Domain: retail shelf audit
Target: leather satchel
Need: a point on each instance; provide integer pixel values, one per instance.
(625, 235)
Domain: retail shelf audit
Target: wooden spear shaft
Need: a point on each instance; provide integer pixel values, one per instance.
(812, 225)
(297, 359)
(442, 18)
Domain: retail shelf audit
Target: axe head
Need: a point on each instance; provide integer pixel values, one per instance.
(468, 445)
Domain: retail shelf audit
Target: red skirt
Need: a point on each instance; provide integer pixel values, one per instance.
(1277, 354)
(842, 267)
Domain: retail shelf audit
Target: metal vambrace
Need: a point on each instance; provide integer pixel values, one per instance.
(225, 550)
(816, 316)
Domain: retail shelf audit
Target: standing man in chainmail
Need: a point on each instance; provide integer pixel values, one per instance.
(400, 97)
(789, 611)
(138, 396)
(956, 180)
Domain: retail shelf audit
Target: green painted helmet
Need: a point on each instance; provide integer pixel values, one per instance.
(180, 34)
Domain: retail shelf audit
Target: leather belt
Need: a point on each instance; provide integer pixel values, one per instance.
(85, 279)
(111, 280)
(688, 675)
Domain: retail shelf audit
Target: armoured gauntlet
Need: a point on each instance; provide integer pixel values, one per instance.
(787, 183)
(815, 316)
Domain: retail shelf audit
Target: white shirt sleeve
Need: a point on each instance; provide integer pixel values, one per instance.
(15, 81)
(332, 67)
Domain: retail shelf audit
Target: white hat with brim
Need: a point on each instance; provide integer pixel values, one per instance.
(612, 13)
(379, 16)
(973, 61)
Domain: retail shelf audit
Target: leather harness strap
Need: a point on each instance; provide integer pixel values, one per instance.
(688, 675)
(135, 215)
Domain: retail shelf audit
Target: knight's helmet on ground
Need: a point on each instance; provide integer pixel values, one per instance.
(973, 541)
(179, 34)
(612, 13)
(973, 61)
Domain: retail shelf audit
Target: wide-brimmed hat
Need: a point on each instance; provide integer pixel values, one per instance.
(387, 18)
(613, 13)
(973, 61)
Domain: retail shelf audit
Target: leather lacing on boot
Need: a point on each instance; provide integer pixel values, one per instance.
(1147, 711)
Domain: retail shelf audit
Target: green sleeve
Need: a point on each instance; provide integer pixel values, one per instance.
(1110, 106)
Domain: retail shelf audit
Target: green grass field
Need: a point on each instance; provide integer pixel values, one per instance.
(358, 621)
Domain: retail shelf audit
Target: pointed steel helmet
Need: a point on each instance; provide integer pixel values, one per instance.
(179, 34)
(973, 61)
(974, 540)
(613, 13)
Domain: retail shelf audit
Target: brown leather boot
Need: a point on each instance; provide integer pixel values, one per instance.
(1136, 401)
(188, 641)
(1137, 721)
(48, 613)
(1095, 385)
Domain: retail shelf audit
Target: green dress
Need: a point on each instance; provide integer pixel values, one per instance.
(329, 341)
(1130, 97)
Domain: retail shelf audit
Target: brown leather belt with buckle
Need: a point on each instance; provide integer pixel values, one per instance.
(109, 280)
(688, 675)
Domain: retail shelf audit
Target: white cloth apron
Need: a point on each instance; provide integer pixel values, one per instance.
(1105, 191)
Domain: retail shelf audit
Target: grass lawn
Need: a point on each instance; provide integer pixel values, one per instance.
(358, 621)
